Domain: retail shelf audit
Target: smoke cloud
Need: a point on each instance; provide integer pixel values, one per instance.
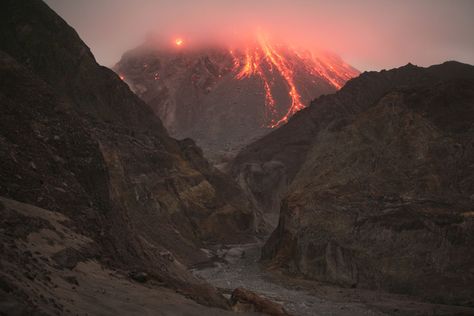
(370, 35)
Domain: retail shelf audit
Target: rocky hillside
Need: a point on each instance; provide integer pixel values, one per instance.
(225, 98)
(48, 268)
(75, 140)
(377, 184)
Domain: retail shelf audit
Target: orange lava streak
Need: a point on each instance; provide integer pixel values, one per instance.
(247, 69)
(235, 61)
(252, 66)
(269, 100)
(317, 67)
(286, 72)
(269, 97)
(261, 59)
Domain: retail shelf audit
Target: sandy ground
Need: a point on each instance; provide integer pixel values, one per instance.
(239, 267)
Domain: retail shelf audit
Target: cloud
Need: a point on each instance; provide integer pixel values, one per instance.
(369, 34)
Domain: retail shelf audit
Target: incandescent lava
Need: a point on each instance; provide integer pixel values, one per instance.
(266, 60)
(225, 95)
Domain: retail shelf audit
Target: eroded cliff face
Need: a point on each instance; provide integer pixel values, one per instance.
(289, 144)
(74, 139)
(381, 184)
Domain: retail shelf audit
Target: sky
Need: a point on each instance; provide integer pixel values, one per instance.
(368, 34)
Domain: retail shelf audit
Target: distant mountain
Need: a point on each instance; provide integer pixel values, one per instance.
(223, 97)
(376, 184)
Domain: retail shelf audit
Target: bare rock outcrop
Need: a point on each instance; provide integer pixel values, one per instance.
(74, 139)
(381, 184)
(243, 300)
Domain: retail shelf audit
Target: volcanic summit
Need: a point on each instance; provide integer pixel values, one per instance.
(225, 97)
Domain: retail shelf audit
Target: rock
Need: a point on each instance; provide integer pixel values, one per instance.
(233, 254)
(140, 277)
(71, 279)
(243, 300)
(167, 255)
(12, 306)
(68, 258)
(380, 184)
(266, 183)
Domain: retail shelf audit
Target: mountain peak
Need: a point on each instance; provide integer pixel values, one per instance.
(225, 96)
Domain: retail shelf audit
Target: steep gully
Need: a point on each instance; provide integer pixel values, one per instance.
(240, 265)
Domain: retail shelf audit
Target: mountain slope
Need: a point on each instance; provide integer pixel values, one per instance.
(280, 154)
(47, 269)
(74, 139)
(226, 97)
(381, 184)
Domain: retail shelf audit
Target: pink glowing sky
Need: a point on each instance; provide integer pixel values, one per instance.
(370, 35)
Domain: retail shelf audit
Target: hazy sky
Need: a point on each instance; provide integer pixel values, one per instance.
(370, 35)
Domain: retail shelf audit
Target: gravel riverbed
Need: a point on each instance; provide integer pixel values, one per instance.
(238, 266)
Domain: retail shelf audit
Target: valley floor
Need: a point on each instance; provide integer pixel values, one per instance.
(238, 266)
(32, 274)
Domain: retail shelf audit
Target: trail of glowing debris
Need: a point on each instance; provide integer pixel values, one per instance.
(266, 53)
(277, 60)
(316, 67)
(252, 65)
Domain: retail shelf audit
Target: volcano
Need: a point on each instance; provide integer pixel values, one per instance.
(226, 97)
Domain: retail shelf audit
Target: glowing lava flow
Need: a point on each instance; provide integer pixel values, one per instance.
(264, 58)
(287, 73)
